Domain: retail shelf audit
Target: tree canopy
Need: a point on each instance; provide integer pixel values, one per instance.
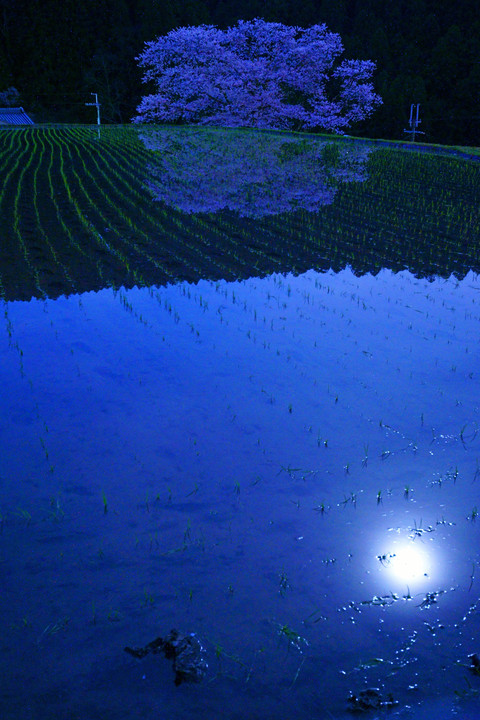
(255, 74)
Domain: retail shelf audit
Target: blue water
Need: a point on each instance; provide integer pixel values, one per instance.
(287, 467)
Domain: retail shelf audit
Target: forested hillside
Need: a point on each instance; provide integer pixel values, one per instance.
(427, 52)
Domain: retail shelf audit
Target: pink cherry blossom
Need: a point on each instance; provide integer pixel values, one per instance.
(255, 74)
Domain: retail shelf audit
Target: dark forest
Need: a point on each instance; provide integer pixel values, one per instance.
(427, 52)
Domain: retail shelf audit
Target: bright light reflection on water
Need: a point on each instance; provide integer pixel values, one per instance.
(409, 564)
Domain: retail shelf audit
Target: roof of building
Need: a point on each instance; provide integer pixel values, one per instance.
(14, 116)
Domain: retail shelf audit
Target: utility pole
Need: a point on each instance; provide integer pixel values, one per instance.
(414, 122)
(97, 105)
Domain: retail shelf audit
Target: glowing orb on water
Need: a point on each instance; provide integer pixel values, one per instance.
(408, 563)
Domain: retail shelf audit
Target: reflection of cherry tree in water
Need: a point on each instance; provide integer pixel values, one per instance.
(256, 174)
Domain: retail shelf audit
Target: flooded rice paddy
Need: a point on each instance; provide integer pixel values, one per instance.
(240, 398)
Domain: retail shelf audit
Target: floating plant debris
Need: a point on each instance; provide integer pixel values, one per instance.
(186, 651)
(370, 699)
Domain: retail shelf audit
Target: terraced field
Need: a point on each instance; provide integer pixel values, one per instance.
(80, 212)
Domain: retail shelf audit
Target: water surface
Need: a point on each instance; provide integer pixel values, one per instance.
(280, 457)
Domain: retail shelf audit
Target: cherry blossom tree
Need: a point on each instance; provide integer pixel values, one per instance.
(255, 74)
